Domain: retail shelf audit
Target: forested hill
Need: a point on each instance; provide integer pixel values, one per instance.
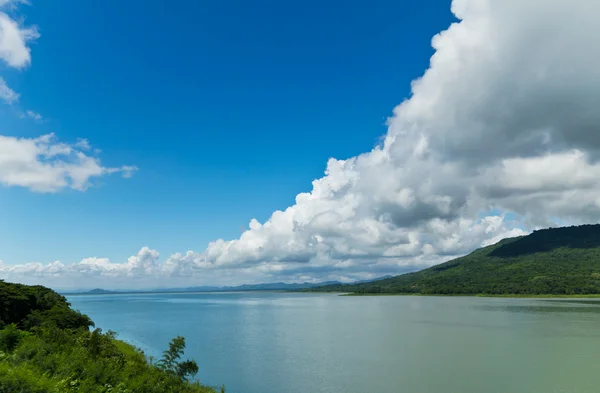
(45, 347)
(558, 261)
(30, 306)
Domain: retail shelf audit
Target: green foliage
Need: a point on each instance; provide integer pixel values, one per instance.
(24, 380)
(10, 337)
(48, 348)
(30, 306)
(557, 261)
(83, 361)
(170, 360)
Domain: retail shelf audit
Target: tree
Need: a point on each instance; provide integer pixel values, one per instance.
(170, 360)
(10, 337)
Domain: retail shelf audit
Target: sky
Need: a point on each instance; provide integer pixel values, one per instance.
(147, 145)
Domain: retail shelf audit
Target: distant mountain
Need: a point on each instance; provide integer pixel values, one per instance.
(277, 286)
(281, 286)
(98, 291)
(204, 288)
(274, 286)
(550, 261)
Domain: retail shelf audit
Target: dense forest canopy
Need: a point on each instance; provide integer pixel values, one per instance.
(555, 261)
(30, 306)
(47, 347)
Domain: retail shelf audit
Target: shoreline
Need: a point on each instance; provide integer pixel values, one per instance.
(508, 296)
(168, 292)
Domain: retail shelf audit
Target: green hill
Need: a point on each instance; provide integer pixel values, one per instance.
(47, 347)
(556, 261)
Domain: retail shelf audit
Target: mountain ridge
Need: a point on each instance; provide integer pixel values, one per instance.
(553, 261)
(272, 286)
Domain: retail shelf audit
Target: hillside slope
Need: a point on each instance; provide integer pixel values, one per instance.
(559, 261)
(30, 306)
(47, 347)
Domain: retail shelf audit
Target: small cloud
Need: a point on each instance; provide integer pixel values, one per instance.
(7, 94)
(11, 4)
(82, 144)
(128, 171)
(45, 164)
(34, 115)
(14, 40)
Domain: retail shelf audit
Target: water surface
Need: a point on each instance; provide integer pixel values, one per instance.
(265, 342)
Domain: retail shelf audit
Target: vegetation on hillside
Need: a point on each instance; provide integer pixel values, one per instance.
(556, 261)
(46, 347)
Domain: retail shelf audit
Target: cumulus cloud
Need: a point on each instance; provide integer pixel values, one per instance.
(41, 164)
(45, 164)
(14, 40)
(144, 262)
(144, 270)
(500, 136)
(14, 49)
(92, 270)
(503, 120)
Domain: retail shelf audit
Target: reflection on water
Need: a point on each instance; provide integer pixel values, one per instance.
(311, 343)
(535, 306)
(588, 302)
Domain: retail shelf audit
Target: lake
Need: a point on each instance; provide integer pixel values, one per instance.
(267, 342)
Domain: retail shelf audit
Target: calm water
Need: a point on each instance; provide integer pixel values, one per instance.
(299, 343)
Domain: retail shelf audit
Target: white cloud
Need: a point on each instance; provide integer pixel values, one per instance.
(144, 270)
(100, 271)
(14, 41)
(41, 164)
(83, 144)
(46, 165)
(14, 49)
(7, 94)
(145, 262)
(504, 120)
(33, 115)
(12, 3)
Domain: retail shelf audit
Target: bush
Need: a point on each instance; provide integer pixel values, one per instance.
(10, 337)
(47, 347)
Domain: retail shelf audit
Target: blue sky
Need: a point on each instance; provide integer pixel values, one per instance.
(148, 144)
(228, 108)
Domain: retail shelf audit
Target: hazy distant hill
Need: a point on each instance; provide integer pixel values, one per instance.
(550, 261)
(100, 291)
(278, 286)
(274, 286)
